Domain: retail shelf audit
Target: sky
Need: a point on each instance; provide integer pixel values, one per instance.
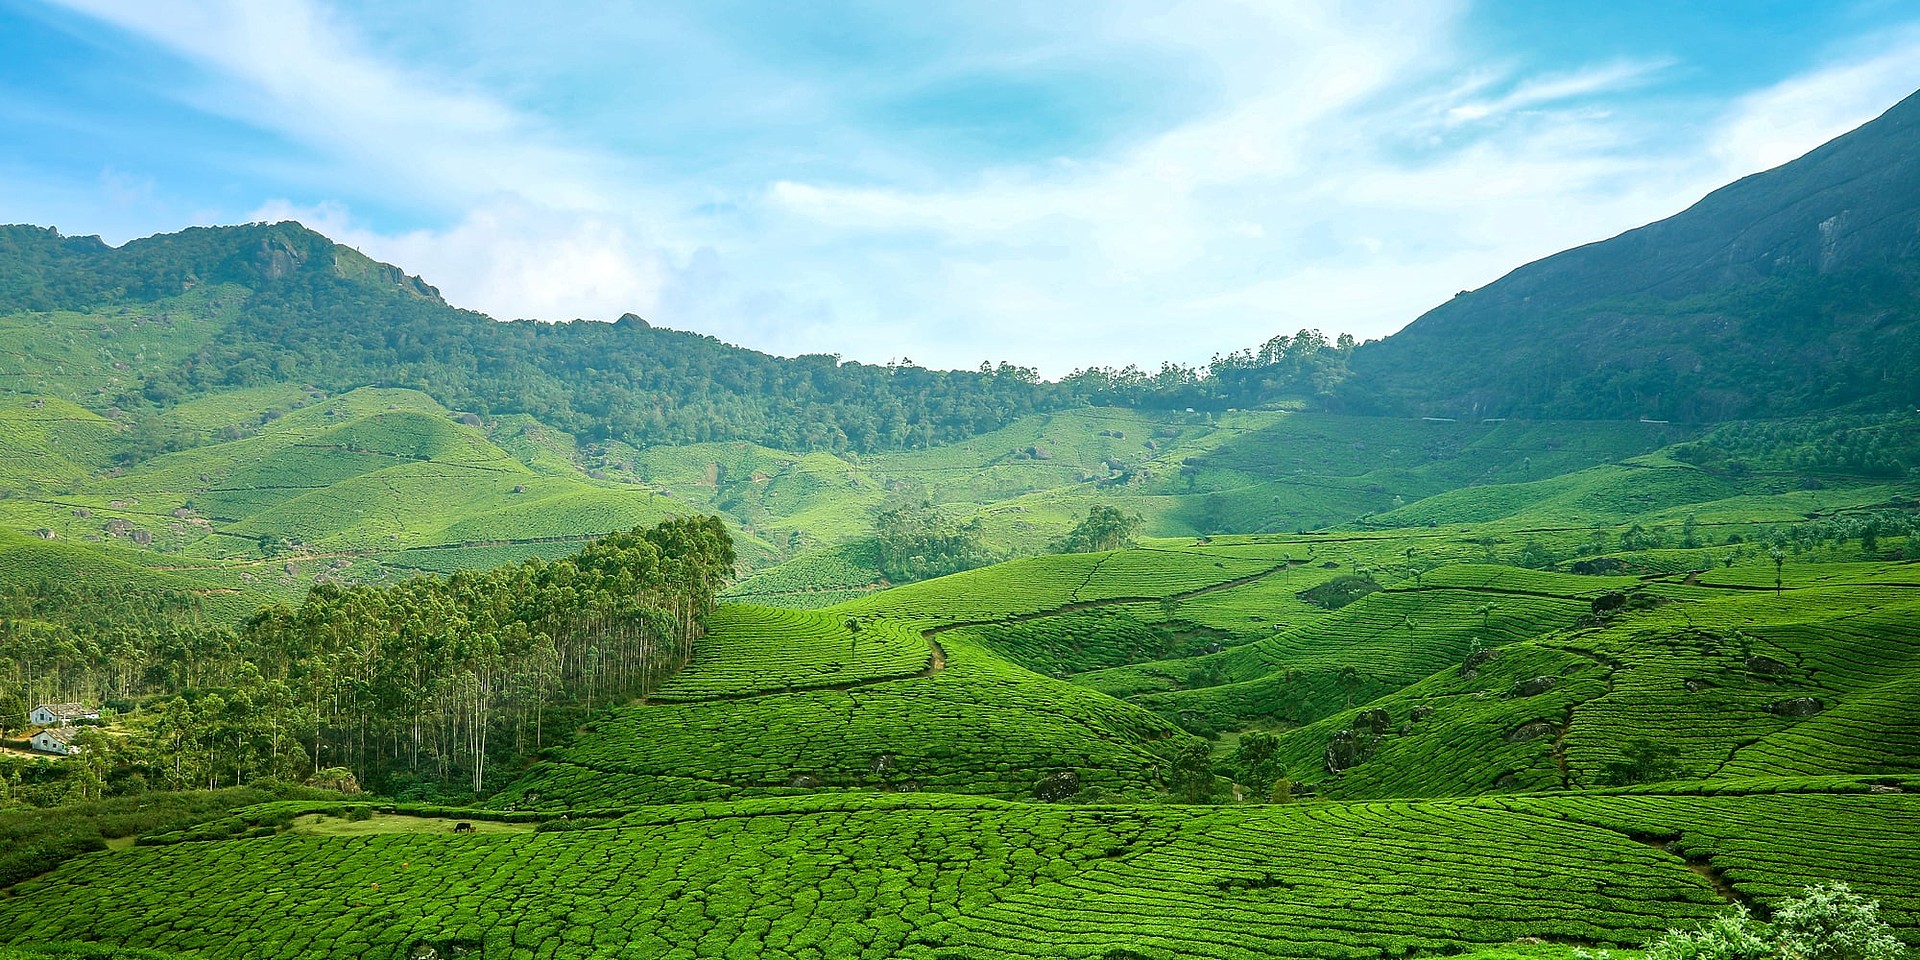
(1061, 184)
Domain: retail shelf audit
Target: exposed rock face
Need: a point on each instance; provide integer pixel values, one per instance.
(1797, 707)
(1470, 667)
(1767, 666)
(1533, 731)
(1531, 688)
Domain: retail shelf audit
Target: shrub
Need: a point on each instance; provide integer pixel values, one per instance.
(1828, 922)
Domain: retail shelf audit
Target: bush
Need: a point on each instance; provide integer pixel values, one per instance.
(1828, 922)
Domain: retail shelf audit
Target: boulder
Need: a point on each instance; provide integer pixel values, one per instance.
(1533, 731)
(1470, 667)
(1767, 666)
(1375, 720)
(1531, 688)
(1797, 707)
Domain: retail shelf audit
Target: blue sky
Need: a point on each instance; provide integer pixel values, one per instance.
(1057, 184)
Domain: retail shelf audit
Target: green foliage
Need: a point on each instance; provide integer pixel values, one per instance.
(1642, 760)
(35, 840)
(1103, 528)
(913, 540)
(1340, 591)
(1827, 922)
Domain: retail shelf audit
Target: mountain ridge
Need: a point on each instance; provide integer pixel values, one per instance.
(1817, 259)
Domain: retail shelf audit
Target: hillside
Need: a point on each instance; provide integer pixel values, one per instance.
(1789, 292)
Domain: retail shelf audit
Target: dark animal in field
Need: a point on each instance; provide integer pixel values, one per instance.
(463, 828)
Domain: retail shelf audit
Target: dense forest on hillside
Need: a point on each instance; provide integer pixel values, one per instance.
(305, 310)
(421, 681)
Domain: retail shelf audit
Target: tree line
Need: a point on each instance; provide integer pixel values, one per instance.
(427, 682)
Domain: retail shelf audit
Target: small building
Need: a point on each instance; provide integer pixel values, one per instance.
(57, 740)
(62, 714)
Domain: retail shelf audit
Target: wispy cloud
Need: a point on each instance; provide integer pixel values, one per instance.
(1262, 166)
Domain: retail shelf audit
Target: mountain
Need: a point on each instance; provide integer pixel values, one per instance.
(1788, 292)
(272, 304)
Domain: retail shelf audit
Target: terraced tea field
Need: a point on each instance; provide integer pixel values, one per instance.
(976, 725)
(754, 650)
(1058, 583)
(942, 877)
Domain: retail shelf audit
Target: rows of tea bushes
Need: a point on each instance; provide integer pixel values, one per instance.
(1808, 680)
(1078, 641)
(1451, 734)
(1769, 845)
(1049, 583)
(979, 726)
(1873, 730)
(750, 649)
(1373, 646)
(951, 878)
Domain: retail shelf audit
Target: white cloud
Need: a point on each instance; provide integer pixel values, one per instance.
(516, 259)
(1356, 166)
(291, 67)
(1772, 126)
(1541, 91)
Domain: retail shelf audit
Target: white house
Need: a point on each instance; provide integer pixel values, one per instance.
(61, 714)
(57, 740)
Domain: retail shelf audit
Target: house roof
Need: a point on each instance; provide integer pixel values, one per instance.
(67, 709)
(65, 736)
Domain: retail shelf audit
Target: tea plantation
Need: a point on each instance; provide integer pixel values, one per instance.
(955, 878)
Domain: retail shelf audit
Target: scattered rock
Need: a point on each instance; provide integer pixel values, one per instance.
(803, 782)
(1422, 712)
(519, 488)
(1884, 788)
(881, 763)
(1767, 666)
(1797, 707)
(1531, 688)
(1533, 731)
(1375, 720)
(141, 537)
(1470, 667)
(46, 534)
